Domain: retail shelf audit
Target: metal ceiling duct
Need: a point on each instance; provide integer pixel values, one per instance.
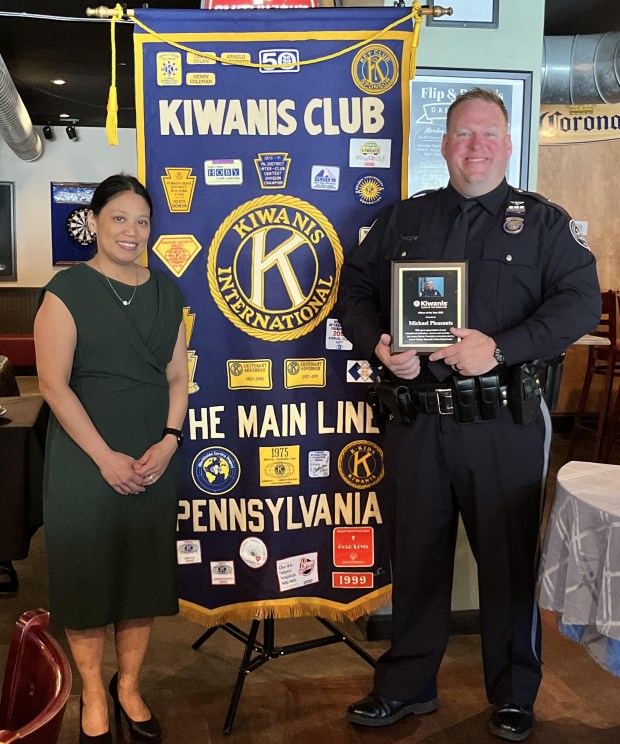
(16, 126)
(581, 69)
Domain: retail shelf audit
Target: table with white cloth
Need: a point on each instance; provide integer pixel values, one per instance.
(580, 569)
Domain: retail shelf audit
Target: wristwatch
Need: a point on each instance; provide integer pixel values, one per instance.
(499, 357)
(175, 433)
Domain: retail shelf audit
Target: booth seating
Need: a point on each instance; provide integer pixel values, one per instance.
(604, 362)
(37, 683)
(19, 348)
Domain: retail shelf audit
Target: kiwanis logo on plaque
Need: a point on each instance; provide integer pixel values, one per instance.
(274, 266)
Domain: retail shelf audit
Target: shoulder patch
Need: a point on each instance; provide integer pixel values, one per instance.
(577, 234)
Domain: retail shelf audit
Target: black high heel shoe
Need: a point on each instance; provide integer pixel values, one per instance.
(149, 731)
(86, 739)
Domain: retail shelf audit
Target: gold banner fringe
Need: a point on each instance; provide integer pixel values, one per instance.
(286, 608)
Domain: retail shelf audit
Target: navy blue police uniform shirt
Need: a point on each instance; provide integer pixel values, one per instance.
(534, 292)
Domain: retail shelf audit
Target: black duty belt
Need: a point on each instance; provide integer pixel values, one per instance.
(470, 400)
(438, 400)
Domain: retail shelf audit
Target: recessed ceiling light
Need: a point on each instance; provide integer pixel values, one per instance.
(64, 116)
(59, 82)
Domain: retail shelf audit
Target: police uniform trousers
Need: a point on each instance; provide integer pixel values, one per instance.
(492, 473)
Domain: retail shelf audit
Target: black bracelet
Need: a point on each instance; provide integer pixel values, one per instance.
(175, 433)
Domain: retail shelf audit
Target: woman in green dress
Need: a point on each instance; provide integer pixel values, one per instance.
(112, 364)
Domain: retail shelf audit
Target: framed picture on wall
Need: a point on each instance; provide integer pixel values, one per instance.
(432, 92)
(467, 14)
(7, 232)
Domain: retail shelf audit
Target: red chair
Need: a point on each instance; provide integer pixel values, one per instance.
(37, 683)
(603, 361)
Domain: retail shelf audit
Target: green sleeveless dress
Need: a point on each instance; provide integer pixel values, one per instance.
(112, 557)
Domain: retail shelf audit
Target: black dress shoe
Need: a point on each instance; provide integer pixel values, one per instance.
(375, 710)
(149, 730)
(512, 722)
(86, 739)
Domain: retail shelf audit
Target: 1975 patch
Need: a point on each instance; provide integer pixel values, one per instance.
(577, 234)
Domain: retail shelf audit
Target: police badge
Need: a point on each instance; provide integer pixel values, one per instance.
(514, 217)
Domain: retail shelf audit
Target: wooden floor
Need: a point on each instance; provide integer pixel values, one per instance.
(302, 698)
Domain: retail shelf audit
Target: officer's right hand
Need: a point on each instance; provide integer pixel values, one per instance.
(405, 364)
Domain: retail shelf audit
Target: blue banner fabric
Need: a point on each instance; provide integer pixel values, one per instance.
(266, 159)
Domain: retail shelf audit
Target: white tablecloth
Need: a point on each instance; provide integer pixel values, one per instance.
(580, 567)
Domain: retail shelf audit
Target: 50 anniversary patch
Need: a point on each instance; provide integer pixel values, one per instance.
(274, 266)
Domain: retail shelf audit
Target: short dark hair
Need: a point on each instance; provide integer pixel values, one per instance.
(115, 185)
(477, 94)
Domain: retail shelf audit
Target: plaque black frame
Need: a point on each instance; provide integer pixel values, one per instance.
(7, 232)
(452, 298)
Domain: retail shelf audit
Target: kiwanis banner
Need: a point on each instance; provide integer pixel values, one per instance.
(266, 159)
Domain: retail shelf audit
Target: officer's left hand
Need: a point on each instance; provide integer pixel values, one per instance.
(473, 355)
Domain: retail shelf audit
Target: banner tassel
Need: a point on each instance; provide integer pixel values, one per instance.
(111, 122)
(417, 25)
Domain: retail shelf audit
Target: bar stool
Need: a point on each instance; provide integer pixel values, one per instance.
(603, 361)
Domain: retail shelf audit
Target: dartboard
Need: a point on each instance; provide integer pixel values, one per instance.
(77, 227)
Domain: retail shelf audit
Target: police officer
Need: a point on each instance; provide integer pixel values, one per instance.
(532, 291)
(430, 291)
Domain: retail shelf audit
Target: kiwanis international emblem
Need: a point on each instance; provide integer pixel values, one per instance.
(375, 69)
(274, 266)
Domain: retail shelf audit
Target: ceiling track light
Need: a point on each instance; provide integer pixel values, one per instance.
(71, 133)
(48, 132)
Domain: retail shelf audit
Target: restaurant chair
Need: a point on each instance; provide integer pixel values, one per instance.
(603, 362)
(8, 383)
(612, 429)
(37, 683)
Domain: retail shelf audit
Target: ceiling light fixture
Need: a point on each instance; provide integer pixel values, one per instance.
(48, 132)
(71, 133)
(64, 116)
(59, 82)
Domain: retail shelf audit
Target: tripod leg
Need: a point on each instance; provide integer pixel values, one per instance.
(243, 670)
(204, 637)
(350, 643)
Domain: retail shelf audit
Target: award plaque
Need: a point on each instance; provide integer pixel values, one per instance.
(428, 298)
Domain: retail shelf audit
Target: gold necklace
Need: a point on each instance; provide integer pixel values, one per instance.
(133, 294)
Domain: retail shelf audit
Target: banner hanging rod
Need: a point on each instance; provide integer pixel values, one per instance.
(101, 11)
